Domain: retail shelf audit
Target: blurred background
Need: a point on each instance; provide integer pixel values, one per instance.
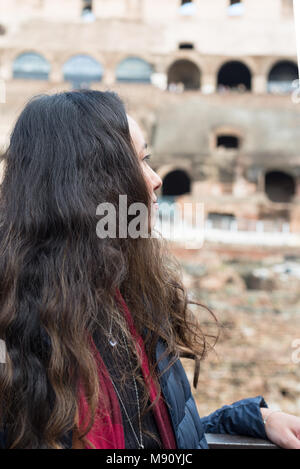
(212, 84)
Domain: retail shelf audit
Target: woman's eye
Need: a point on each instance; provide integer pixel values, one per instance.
(147, 158)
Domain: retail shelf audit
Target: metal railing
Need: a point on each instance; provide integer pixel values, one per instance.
(216, 441)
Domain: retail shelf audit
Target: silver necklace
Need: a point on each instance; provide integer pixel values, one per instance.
(140, 441)
(113, 342)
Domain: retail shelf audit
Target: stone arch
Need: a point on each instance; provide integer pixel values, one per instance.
(81, 70)
(279, 186)
(234, 75)
(185, 71)
(31, 66)
(135, 70)
(281, 77)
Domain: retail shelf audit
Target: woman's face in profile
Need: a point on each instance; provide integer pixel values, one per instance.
(153, 181)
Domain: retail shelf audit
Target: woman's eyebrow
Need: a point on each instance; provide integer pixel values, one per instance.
(144, 146)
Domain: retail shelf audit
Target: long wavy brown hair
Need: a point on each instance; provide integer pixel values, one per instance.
(69, 152)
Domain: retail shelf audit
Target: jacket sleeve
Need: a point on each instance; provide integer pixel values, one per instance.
(240, 418)
(2, 440)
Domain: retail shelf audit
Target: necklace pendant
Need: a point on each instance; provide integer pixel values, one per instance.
(142, 446)
(113, 342)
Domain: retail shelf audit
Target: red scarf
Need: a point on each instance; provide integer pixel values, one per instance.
(107, 431)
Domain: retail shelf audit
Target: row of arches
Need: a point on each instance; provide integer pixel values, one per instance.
(279, 186)
(83, 69)
(235, 75)
(80, 69)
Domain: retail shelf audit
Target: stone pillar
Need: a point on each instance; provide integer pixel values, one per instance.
(259, 84)
(56, 73)
(295, 220)
(109, 77)
(261, 185)
(208, 83)
(6, 71)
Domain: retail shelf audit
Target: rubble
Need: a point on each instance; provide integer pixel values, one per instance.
(259, 324)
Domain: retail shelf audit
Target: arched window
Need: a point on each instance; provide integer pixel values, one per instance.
(134, 69)
(176, 183)
(31, 66)
(82, 70)
(87, 11)
(236, 8)
(282, 76)
(185, 72)
(87, 5)
(235, 76)
(187, 8)
(280, 186)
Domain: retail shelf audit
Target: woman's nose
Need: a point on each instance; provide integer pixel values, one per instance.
(157, 182)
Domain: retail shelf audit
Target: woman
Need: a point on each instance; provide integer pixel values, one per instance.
(94, 321)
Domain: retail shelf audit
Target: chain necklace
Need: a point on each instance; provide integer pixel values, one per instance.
(140, 441)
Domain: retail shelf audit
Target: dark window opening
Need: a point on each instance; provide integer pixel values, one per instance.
(228, 142)
(87, 6)
(187, 8)
(234, 76)
(185, 72)
(236, 8)
(186, 45)
(281, 77)
(279, 186)
(87, 11)
(176, 183)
